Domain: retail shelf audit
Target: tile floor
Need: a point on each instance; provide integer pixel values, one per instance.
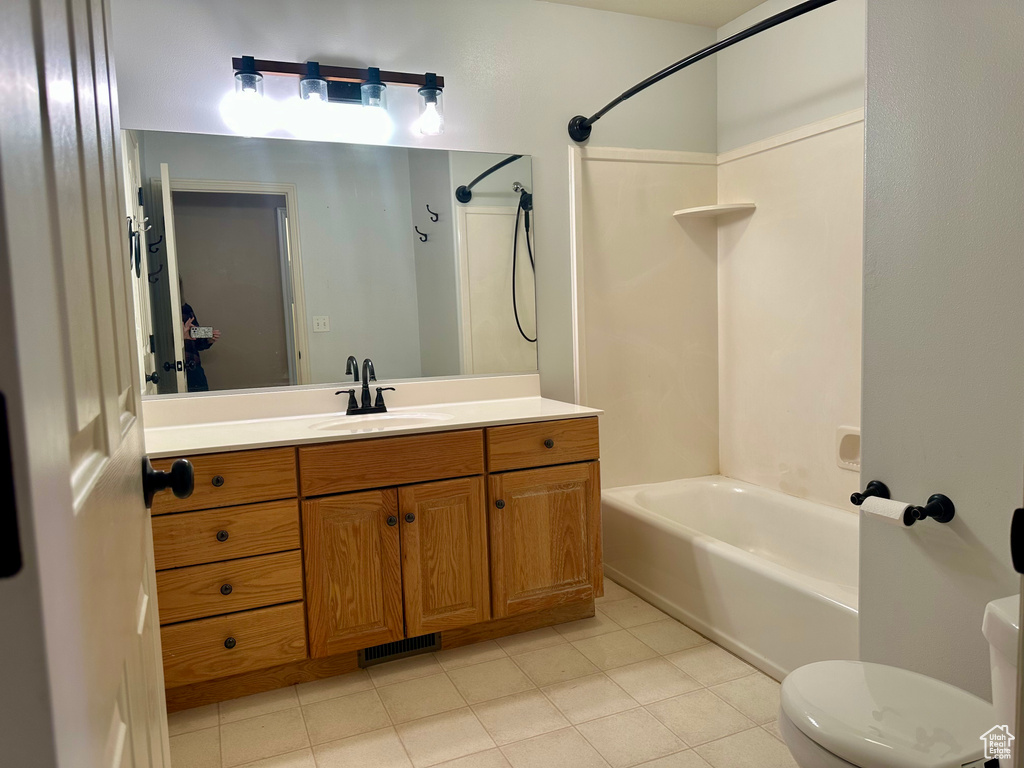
(629, 687)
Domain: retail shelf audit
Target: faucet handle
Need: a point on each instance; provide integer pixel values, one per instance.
(379, 403)
(352, 404)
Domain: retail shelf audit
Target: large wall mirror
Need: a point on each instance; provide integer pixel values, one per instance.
(267, 262)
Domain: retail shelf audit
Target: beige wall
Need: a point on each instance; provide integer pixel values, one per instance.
(789, 288)
(649, 324)
(943, 322)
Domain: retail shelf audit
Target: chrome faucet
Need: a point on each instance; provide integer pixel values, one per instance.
(352, 367)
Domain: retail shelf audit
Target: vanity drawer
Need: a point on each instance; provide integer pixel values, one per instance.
(390, 461)
(237, 585)
(542, 444)
(192, 538)
(223, 479)
(198, 650)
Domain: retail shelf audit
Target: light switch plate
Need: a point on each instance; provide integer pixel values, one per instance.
(321, 323)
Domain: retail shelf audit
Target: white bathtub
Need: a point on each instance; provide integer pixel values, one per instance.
(771, 577)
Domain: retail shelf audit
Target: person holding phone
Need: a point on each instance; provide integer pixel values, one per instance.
(195, 376)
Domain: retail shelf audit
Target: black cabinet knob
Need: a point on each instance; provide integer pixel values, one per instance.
(180, 479)
(500, 503)
(230, 643)
(225, 589)
(410, 518)
(153, 377)
(222, 535)
(549, 443)
(392, 520)
(218, 481)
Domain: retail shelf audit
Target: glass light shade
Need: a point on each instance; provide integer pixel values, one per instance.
(313, 89)
(374, 95)
(249, 83)
(431, 120)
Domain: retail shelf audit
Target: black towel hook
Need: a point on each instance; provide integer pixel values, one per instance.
(423, 235)
(433, 216)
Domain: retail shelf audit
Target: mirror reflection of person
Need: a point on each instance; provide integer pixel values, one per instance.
(195, 376)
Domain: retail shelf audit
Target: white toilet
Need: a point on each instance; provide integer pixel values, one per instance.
(852, 714)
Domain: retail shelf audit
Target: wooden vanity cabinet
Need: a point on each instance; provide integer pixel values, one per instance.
(444, 555)
(384, 565)
(353, 571)
(545, 531)
(287, 561)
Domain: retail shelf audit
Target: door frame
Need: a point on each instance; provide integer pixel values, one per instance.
(291, 195)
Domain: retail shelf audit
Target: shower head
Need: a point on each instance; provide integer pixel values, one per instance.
(518, 187)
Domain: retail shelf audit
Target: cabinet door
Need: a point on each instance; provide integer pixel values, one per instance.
(353, 571)
(545, 529)
(444, 555)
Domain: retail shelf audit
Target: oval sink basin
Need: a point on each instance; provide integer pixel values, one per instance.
(375, 421)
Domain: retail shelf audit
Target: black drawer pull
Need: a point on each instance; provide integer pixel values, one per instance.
(549, 443)
(225, 589)
(500, 503)
(410, 518)
(218, 481)
(222, 535)
(392, 520)
(230, 643)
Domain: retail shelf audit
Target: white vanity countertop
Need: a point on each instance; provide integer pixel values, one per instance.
(215, 437)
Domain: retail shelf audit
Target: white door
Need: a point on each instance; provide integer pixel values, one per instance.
(139, 274)
(82, 682)
(177, 327)
(492, 341)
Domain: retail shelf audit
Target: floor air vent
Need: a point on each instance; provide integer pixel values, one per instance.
(411, 646)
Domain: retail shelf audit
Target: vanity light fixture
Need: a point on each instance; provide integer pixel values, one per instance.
(312, 87)
(248, 82)
(336, 85)
(431, 121)
(374, 92)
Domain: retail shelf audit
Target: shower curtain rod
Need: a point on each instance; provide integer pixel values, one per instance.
(580, 126)
(465, 193)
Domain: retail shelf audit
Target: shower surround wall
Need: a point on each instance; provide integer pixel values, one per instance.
(789, 308)
(726, 345)
(649, 317)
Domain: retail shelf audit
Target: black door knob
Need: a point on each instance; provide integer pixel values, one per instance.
(181, 480)
(153, 377)
(410, 518)
(1017, 540)
(222, 535)
(168, 366)
(549, 443)
(218, 481)
(392, 520)
(500, 503)
(225, 589)
(230, 643)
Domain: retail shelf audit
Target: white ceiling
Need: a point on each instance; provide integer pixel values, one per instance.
(707, 13)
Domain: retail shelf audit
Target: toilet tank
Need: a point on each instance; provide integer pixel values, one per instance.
(1001, 625)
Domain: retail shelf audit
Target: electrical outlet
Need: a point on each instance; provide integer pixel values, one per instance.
(321, 324)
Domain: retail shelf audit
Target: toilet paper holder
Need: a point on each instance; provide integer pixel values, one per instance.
(874, 488)
(939, 507)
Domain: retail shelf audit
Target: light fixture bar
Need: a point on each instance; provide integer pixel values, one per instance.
(335, 74)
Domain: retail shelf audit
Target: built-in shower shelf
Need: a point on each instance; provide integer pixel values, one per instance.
(707, 211)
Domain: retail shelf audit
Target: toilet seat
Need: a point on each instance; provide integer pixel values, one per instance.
(875, 716)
